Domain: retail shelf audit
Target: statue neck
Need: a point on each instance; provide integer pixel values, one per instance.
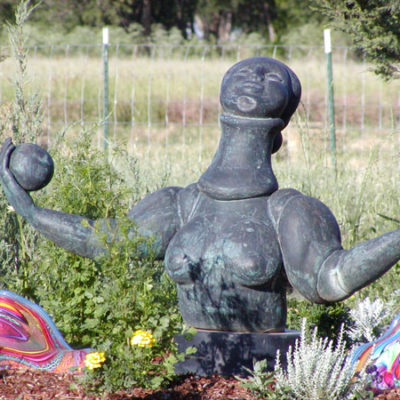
(241, 167)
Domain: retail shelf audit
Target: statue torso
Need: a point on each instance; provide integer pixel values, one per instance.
(226, 261)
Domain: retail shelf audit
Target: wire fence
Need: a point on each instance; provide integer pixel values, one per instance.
(168, 95)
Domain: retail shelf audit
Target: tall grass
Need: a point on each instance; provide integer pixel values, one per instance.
(150, 90)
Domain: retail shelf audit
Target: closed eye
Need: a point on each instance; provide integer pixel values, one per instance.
(274, 77)
(243, 72)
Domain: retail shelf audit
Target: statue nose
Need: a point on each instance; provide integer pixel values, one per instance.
(259, 74)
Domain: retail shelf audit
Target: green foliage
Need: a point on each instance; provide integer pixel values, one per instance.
(26, 117)
(7, 10)
(135, 294)
(260, 381)
(82, 174)
(311, 34)
(22, 120)
(329, 318)
(70, 14)
(217, 19)
(220, 17)
(96, 304)
(99, 304)
(374, 27)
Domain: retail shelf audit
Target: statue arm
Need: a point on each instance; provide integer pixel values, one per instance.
(156, 216)
(314, 260)
(71, 232)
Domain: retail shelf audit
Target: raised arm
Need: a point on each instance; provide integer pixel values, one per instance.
(156, 215)
(314, 260)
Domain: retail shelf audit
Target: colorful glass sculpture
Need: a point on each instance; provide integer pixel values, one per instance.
(29, 338)
(381, 358)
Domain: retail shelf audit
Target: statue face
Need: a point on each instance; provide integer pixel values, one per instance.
(256, 87)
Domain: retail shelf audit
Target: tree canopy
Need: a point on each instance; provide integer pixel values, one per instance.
(373, 25)
(216, 18)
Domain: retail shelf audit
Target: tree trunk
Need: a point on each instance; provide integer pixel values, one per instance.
(204, 26)
(270, 27)
(224, 26)
(146, 17)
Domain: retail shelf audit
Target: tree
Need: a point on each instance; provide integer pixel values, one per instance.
(170, 13)
(219, 17)
(257, 16)
(373, 25)
(97, 13)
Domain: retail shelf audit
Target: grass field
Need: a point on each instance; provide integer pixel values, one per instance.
(157, 90)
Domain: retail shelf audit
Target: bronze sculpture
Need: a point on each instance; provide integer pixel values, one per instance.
(233, 241)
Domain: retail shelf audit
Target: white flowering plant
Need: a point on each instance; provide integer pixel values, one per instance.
(318, 369)
(315, 369)
(369, 317)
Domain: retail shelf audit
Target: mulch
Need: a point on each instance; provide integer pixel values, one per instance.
(40, 385)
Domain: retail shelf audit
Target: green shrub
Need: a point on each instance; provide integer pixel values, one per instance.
(327, 317)
(100, 304)
(97, 304)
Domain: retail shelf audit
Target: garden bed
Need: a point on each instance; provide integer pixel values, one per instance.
(30, 385)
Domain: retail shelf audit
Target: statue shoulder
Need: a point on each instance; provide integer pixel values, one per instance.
(157, 216)
(278, 201)
(289, 207)
(188, 198)
(308, 233)
(159, 201)
(176, 202)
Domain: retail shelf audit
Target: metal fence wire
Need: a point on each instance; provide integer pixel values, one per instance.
(171, 93)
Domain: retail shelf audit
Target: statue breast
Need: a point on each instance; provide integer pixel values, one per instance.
(223, 241)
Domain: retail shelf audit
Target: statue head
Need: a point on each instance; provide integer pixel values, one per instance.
(260, 87)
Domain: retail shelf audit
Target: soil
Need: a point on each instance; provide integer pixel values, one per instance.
(38, 385)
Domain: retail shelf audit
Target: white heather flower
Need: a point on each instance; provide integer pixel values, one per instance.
(318, 370)
(367, 316)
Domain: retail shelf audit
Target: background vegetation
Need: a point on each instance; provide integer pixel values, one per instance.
(213, 19)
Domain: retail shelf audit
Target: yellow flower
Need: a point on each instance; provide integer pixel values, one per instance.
(142, 339)
(94, 360)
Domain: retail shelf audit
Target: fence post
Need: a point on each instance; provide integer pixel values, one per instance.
(331, 104)
(105, 86)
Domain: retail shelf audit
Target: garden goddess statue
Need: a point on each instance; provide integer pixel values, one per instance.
(233, 241)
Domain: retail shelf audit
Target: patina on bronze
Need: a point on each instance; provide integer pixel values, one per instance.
(233, 241)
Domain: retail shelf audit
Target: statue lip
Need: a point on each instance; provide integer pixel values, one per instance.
(252, 86)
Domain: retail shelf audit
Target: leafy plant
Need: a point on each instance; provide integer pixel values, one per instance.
(327, 317)
(261, 381)
(99, 304)
(135, 294)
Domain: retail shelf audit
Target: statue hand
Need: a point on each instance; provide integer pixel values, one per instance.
(16, 195)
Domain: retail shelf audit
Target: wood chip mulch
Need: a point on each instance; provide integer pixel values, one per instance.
(39, 385)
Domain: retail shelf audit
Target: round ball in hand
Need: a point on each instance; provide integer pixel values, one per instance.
(32, 166)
